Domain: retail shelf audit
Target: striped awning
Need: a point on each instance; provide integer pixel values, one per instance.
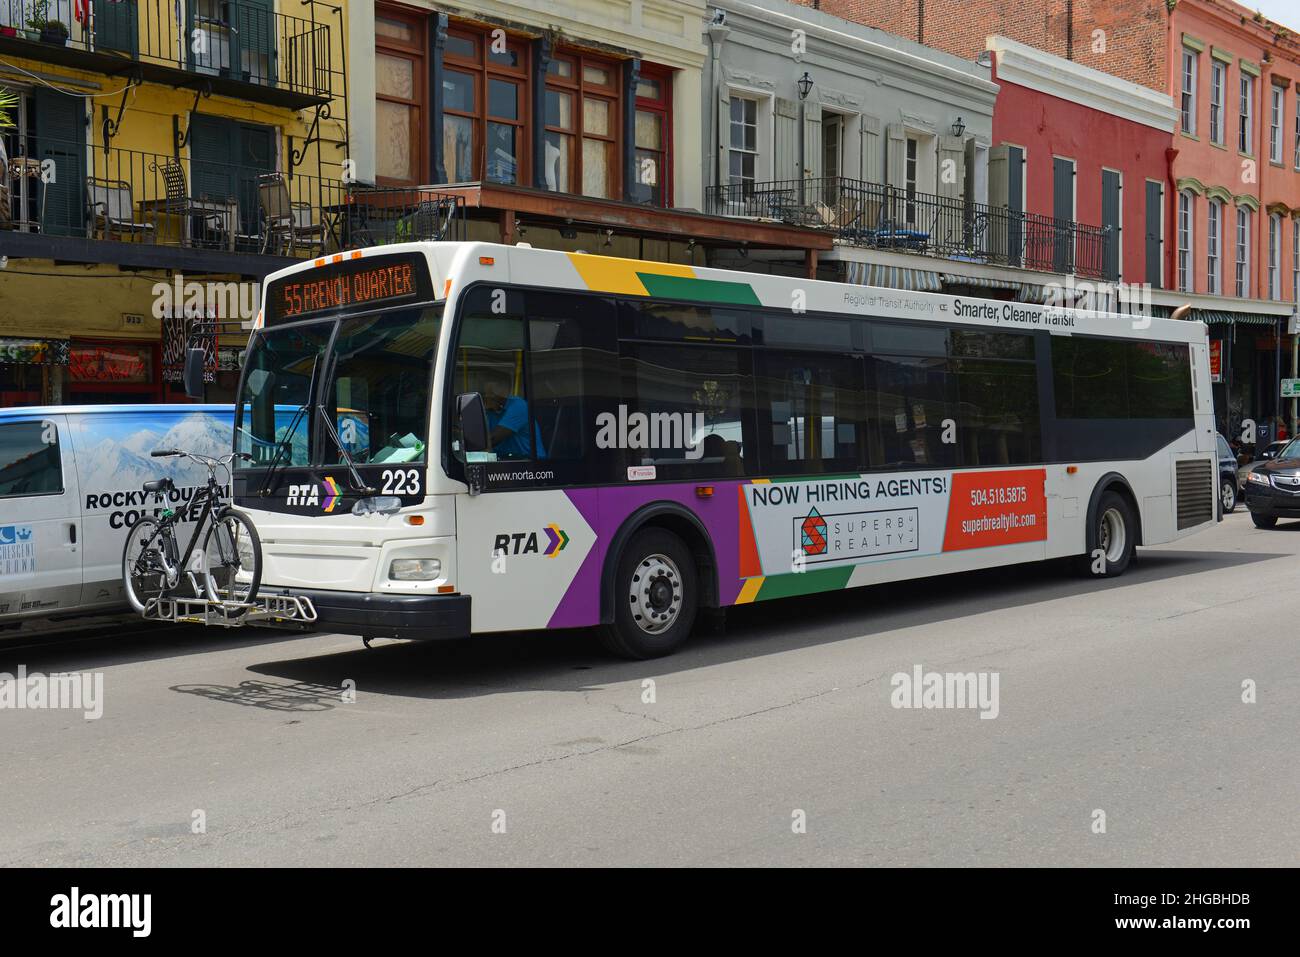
(894, 277)
(979, 282)
(1235, 318)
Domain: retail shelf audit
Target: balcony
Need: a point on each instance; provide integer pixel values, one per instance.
(155, 210)
(238, 48)
(875, 216)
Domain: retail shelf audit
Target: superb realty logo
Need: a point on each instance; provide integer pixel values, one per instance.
(78, 910)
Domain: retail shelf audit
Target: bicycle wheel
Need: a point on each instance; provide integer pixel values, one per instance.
(143, 575)
(232, 553)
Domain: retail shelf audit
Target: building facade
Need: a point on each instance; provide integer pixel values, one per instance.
(151, 146)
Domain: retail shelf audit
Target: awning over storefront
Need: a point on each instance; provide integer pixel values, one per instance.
(894, 277)
(1221, 316)
(36, 352)
(979, 282)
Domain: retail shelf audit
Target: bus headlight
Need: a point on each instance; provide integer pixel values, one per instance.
(414, 569)
(381, 504)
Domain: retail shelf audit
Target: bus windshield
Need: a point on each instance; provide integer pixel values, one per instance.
(370, 374)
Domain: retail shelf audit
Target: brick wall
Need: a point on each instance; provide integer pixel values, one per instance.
(1134, 29)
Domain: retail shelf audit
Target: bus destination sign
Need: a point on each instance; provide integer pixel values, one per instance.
(353, 285)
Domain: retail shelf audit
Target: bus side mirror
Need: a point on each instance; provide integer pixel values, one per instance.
(473, 422)
(194, 362)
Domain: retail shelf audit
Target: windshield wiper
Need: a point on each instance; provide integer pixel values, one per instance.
(266, 488)
(359, 483)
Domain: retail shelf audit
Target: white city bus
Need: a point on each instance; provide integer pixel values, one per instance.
(533, 439)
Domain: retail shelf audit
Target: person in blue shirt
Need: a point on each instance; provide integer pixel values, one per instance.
(508, 420)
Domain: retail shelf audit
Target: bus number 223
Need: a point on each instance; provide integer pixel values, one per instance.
(401, 482)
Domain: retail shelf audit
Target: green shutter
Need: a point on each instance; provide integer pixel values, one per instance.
(255, 21)
(117, 26)
(61, 137)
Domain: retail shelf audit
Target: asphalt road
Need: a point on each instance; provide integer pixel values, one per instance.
(1122, 697)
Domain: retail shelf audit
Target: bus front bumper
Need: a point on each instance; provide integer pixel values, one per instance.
(414, 617)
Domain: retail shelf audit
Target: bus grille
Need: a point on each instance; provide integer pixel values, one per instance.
(1195, 492)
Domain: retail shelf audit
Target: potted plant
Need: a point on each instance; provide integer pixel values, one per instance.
(54, 31)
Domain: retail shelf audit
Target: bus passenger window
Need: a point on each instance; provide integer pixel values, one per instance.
(489, 360)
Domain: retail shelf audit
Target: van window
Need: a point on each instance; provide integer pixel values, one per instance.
(29, 459)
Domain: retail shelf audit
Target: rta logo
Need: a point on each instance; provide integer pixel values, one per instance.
(302, 495)
(527, 543)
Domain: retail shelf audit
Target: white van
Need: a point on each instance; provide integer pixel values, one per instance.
(70, 487)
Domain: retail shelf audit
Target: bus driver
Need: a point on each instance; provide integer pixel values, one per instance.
(508, 418)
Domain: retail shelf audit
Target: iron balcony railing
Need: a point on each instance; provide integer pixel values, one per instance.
(238, 40)
(887, 217)
(62, 189)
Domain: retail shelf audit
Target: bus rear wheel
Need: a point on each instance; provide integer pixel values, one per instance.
(1112, 537)
(655, 597)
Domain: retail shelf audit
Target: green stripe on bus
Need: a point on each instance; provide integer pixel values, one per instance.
(804, 583)
(703, 290)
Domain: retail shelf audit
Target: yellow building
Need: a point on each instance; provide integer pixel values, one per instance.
(158, 148)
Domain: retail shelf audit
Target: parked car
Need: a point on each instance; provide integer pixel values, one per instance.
(1227, 476)
(1269, 451)
(70, 482)
(1273, 487)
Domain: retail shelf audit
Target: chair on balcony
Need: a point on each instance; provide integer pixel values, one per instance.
(215, 216)
(111, 209)
(430, 221)
(287, 226)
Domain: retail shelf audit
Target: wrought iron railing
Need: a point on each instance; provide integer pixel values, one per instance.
(888, 217)
(232, 39)
(62, 189)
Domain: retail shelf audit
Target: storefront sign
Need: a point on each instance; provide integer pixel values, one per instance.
(111, 363)
(39, 352)
(1216, 360)
(178, 334)
(1291, 388)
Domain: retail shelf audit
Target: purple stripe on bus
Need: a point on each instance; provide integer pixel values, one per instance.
(606, 509)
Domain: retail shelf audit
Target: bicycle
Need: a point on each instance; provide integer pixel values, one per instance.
(152, 567)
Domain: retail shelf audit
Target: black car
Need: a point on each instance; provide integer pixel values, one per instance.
(1273, 487)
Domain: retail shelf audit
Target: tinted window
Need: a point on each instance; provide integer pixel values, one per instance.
(688, 411)
(573, 367)
(996, 416)
(489, 360)
(29, 459)
(663, 320)
(811, 412)
(911, 397)
(1121, 379)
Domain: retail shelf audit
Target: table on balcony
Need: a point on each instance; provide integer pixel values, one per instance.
(196, 210)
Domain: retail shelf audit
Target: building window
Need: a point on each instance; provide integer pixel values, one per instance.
(1243, 253)
(1276, 108)
(1185, 208)
(1246, 114)
(743, 150)
(582, 124)
(1189, 92)
(1275, 257)
(1295, 260)
(1296, 162)
(653, 99)
(1214, 247)
(484, 84)
(910, 168)
(400, 153)
(1218, 81)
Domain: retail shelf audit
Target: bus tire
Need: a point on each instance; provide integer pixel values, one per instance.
(656, 596)
(1112, 537)
(1263, 521)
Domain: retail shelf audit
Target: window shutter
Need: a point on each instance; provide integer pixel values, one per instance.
(951, 174)
(871, 155)
(895, 155)
(812, 141)
(785, 141)
(61, 138)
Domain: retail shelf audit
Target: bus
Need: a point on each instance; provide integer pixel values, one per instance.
(563, 440)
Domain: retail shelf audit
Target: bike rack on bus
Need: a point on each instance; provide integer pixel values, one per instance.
(265, 609)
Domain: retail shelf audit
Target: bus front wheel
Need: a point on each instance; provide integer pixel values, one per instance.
(1112, 537)
(655, 597)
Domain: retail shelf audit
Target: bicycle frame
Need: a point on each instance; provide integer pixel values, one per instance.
(209, 499)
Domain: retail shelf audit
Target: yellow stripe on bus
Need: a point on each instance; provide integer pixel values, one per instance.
(610, 274)
(749, 591)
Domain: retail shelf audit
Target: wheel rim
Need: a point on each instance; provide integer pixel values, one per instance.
(229, 561)
(143, 574)
(1112, 535)
(655, 594)
(1229, 495)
